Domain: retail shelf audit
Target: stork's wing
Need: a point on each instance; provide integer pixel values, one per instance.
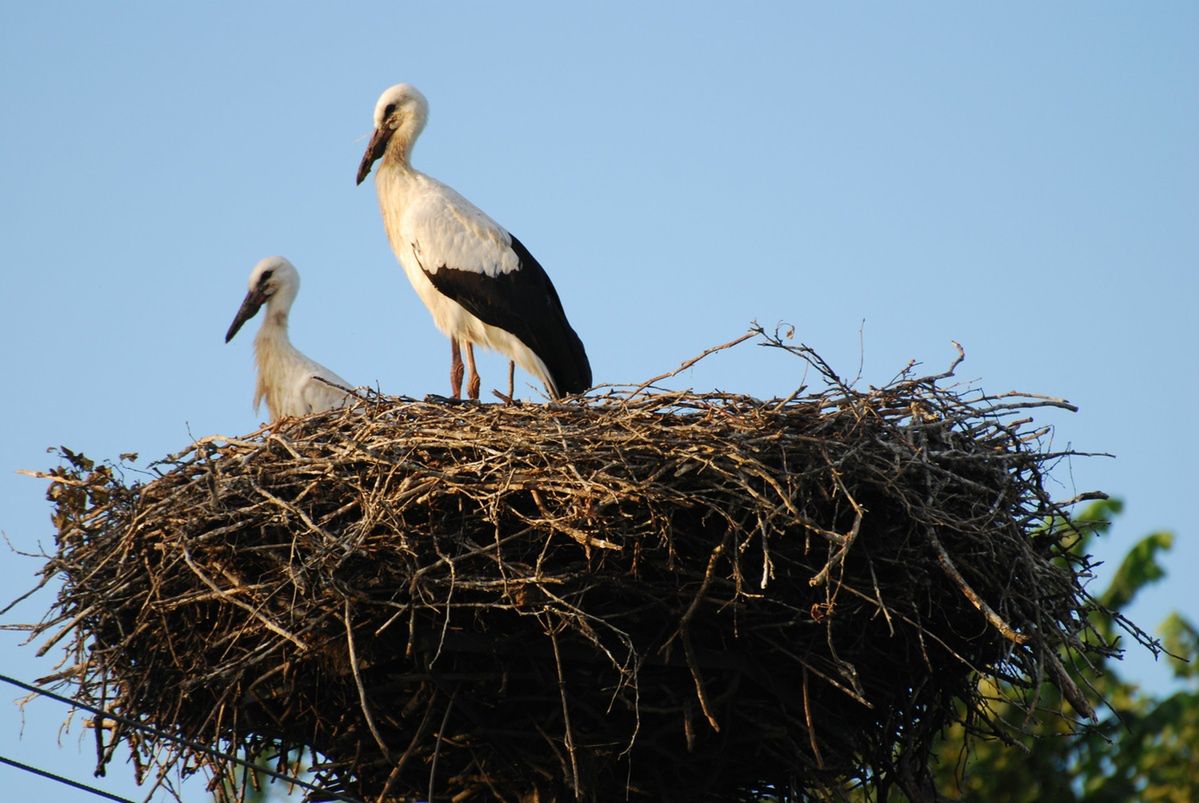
(316, 394)
(472, 260)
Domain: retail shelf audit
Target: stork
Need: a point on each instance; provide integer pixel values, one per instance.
(290, 382)
(479, 282)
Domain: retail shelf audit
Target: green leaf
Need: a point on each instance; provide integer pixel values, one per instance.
(1139, 569)
(1181, 639)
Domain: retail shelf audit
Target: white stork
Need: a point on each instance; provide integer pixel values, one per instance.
(480, 283)
(289, 381)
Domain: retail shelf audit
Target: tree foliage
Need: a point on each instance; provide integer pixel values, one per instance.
(1143, 748)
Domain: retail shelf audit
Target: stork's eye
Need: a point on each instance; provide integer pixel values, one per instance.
(265, 277)
(388, 109)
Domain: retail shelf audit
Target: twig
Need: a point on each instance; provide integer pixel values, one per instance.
(449, 706)
(807, 711)
(568, 731)
(682, 632)
(970, 594)
(410, 750)
(271, 626)
(366, 710)
(688, 363)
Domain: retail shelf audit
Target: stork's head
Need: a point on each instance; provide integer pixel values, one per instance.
(400, 116)
(274, 282)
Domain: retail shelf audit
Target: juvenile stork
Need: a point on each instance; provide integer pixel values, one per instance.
(480, 283)
(289, 381)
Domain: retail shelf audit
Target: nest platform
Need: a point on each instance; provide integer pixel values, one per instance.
(642, 595)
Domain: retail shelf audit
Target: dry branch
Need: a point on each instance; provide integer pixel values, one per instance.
(653, 596)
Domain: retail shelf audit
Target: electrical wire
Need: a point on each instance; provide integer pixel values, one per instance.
(152, 731)
(62, 780)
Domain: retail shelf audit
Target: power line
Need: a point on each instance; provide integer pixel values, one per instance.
(155, 732)
(62, 780)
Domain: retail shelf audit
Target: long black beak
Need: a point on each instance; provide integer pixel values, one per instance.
(249, 308)
(374, 150)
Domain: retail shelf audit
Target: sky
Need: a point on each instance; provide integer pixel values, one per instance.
(1023, 180)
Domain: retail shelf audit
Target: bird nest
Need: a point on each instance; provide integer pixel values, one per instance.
(641, 595)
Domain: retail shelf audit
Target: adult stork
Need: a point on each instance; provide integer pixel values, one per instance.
(290, 382)
(479, 282)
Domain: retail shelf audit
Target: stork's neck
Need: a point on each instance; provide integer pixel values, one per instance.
(275, 320)
(272, 336)
(395, 182)
(273, 352)
(399, 152)
(396, 161)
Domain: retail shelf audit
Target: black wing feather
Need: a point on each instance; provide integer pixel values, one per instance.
(525, 303)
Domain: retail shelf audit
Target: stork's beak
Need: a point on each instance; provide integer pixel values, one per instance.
(374, 150)
(249, 308)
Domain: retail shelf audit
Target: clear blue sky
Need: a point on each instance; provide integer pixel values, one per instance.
(1024, 180)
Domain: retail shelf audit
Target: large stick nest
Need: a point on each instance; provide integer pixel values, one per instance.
(641, 595)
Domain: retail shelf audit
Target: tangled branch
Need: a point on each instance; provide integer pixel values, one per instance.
(646, 594)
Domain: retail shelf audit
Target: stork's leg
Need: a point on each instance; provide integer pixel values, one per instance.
(511, 378)
(472, 379)
(456, 369)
